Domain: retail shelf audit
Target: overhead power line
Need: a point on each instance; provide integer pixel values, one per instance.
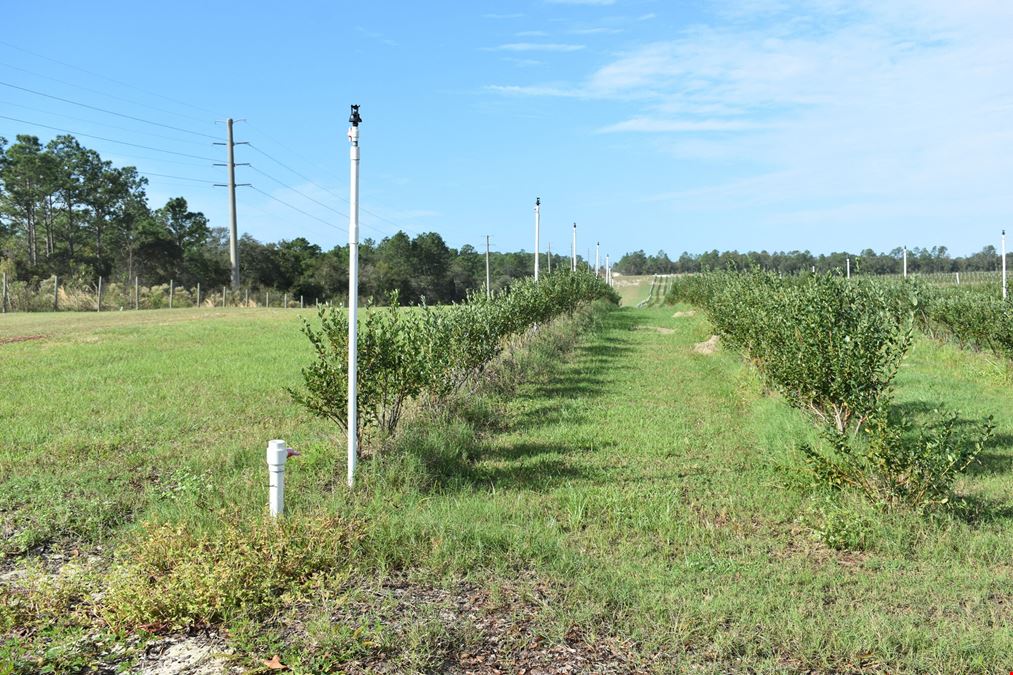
(113, 80)
(108, 140)
(102, 124)
(104, 93)
(298, 192)
(294, 208)
(162, 175)
(107, 111)
(321, 187)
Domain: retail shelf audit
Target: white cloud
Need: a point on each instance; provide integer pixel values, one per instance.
(534, 90)
(537, 47)
(597, 30)
(655, 125)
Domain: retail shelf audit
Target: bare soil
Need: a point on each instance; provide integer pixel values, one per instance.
(20, 338)
(709, 346)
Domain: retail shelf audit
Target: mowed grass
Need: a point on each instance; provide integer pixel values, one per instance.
(110, 415)
(658, 491)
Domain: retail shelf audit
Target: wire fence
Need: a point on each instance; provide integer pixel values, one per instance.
(978, 278)
(52, 295)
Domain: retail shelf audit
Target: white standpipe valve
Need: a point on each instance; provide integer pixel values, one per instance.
(277, 454)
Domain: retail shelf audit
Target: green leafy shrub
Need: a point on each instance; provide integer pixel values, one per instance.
(891, 463)
(831, 346)
(407, 353)
(393, 365)
(973, 319)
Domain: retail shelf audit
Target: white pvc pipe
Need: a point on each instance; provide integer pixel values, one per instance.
(353, 297)
(538, 223)
(597, 247)
(1004, 264)
(905, 262)
(573, 267)
(277, 453)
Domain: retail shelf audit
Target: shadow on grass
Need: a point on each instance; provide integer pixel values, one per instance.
(528, 465)
(550, 401)
(523, 466)
(977, 510)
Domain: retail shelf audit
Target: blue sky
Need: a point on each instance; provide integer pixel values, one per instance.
(748, 124)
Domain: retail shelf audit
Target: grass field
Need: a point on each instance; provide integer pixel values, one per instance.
(631, 500)
(633, 289)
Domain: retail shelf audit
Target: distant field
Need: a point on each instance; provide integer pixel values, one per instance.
(635, 502)
(632, 289)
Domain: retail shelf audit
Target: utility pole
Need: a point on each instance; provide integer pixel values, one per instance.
(231, 185)
(538, 223)
(1003, 246)
(597, 248)
(353, 292)
(905, 262)
(608, 271)
(848, 263)
(573, 266)
(488, 278)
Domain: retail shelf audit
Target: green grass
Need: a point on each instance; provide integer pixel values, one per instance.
(655, 495)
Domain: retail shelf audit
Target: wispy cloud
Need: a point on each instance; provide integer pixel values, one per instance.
(847, 104)
(537, 47)
(523, 63)
(597, 30)
(656, 125)
(534, 90)
(373, 35)
(531, 33)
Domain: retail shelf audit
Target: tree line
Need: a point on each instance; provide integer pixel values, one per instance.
(65, 211)
(923, 260)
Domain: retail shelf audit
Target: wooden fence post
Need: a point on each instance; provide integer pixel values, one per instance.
(56, 293)
(99, 305)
